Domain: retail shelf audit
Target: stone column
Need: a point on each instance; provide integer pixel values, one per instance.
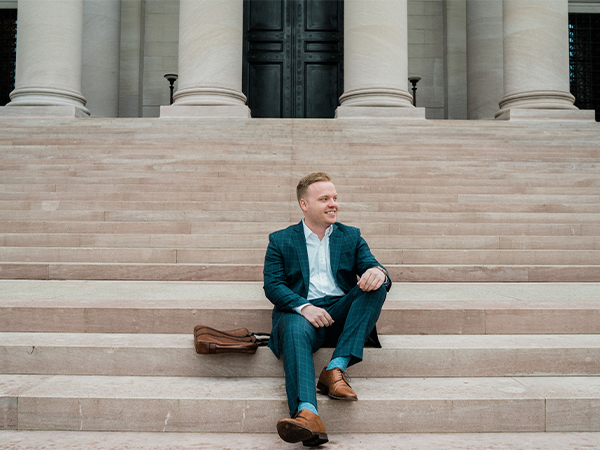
(101, 56)
(485, 86)
(210, 60)
(536, 58)
(376, 60)
(49, 56)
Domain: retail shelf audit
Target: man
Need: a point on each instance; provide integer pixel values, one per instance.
(327, 290)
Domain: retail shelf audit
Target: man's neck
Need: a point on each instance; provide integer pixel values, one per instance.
(319, 231)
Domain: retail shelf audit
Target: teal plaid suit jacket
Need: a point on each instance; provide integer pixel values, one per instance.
(286, 271)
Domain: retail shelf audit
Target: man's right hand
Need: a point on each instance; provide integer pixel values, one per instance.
(317, 317)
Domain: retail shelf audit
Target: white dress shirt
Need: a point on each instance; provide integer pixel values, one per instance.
(321, 281)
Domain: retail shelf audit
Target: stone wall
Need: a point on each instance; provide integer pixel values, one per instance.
(161, 40)
(426, 54)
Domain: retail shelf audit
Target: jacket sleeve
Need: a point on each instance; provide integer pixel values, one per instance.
(366, 260)
(276, 281)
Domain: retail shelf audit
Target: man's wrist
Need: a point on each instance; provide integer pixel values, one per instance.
(298, 309)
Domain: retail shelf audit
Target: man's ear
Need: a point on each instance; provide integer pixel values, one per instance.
(303, 204)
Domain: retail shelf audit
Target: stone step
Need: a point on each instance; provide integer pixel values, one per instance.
(482, 273)
(357, 218)
(75, 440)
(526, 178)
(255, 256)
(94, 198)
(292, 207)
(401, 356)
(341, 171)
(260, 241)
(410, 308)
(172, 191)
(253, 405)
(371, 230)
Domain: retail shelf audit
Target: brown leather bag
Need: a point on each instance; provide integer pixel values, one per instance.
(210, 341)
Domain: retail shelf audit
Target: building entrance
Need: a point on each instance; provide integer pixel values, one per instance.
(293, 57)
(584, 51)
(8, 53)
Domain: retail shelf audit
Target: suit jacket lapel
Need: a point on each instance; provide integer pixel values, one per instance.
(300, 246)
(335, 247)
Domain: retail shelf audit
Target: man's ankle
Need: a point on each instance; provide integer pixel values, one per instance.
(308, 406)
(341, 362)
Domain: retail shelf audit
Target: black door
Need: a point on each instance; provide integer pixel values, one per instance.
(293, 57)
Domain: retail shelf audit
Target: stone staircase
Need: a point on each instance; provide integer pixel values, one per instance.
(153, 199)
(81, 357)
(490, 231)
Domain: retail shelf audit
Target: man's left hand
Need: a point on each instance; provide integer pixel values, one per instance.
(371, 280)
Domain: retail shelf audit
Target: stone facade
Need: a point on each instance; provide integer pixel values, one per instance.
(454, 46)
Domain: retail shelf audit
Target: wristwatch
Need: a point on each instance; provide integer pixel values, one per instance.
(385, 272)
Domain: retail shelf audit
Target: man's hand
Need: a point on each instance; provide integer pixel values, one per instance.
(371, 280)
(317, 317)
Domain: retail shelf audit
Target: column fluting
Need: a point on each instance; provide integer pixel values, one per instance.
(485, 86)
(375, 55)
(210, 57)
(49, 54)
(536, 55)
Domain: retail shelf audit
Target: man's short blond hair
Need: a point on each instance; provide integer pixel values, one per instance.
(309, 179)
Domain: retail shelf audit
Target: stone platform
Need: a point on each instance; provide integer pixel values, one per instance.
(118, 236)
(118, 357)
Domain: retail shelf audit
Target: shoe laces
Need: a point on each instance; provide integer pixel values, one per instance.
(345, 377)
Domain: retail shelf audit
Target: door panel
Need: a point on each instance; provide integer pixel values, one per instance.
(304, 38)
(317, 97)
(267, 89)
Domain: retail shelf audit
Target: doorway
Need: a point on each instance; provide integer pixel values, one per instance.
(293, 57)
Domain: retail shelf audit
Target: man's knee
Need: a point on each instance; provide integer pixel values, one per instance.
(295, 328)
(373, 297)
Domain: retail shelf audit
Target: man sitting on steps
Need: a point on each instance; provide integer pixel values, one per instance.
(327, 290)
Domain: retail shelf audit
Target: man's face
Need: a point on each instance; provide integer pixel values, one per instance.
(320, 205)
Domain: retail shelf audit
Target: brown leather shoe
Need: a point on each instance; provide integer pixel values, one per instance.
(305, 426)
(335, 383)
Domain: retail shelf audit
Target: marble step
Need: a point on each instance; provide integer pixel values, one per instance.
(293, 216)
(253, 405)
(255, 256)
(387, 230)
(172, 191)
(456, 178)
(410, 308)
(90, 440)
(260, 241)
(237, 207)
(460, 273)
(150, 196)
(401, 356)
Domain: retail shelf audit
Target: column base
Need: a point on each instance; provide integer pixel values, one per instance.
(522, 114)
(205, 111)
(62, 111)
(379, 112)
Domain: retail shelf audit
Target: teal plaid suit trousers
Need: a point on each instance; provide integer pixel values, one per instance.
(286, 277)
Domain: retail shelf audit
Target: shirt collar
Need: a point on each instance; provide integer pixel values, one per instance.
(308, 231)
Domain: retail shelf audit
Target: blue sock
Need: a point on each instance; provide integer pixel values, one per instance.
(309, 406)
(341, 362)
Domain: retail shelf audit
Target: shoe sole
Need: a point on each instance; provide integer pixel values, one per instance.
(318, 439)
(324, 390)
(291, 432)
